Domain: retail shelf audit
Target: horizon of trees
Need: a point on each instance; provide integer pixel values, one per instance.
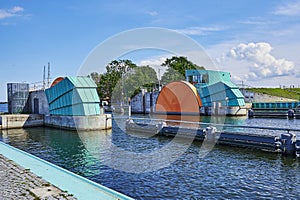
(123, 79)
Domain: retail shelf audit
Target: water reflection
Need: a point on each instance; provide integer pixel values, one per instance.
(225, 173)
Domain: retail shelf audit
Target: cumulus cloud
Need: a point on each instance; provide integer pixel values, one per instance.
(289, 9)
(14, 11)
(153, 62)
(262, 63)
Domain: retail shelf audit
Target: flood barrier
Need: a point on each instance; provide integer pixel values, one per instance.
(283, 141)
(274, 113)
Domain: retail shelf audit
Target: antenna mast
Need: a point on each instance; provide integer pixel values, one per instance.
(48, 74)
(44, 78)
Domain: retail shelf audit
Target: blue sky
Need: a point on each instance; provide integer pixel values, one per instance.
(257, 41)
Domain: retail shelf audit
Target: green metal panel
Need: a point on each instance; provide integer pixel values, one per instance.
(74, 96)
(217, 87)
(213, 76)
(283, 105)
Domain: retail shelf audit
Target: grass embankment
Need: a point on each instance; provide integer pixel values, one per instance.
(291, 93)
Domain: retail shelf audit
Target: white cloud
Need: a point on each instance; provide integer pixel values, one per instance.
(201, 30)
(289, 9)
(256, 21)
(15, 11)
(262, 63)
(155, 63)
(152, 13)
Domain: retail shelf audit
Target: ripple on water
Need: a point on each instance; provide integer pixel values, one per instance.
(225, 173)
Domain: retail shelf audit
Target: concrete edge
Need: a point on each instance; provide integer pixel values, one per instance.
(79, 186)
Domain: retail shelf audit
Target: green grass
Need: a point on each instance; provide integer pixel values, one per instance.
(293, 93)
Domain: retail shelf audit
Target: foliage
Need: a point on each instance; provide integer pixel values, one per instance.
(133, 81)
(123, 79)
(176, 69)
(95, 76)
(114, 72)
(293, 93)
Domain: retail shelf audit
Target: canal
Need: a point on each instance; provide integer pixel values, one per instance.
(224, 173)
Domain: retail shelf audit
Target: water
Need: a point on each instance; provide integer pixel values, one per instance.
(225, 173)
(3, 107)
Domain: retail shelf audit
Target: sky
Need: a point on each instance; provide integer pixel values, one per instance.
(256, 41)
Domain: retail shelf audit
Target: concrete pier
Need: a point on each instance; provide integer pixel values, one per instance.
(21, 121)
(96, 122)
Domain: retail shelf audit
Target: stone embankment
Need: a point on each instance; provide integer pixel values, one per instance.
(19, 183)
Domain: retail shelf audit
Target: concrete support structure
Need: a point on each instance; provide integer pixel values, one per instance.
(97, 122)
(17, 96)
(37, 103)
(20, 121)
(144, 102)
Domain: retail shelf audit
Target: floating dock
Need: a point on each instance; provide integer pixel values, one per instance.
(285, 142)
(271, 113)
(290, 110)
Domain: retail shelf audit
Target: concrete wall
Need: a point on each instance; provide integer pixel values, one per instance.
(144, 103)
(17, 96)
(251, 97)
(40, 98)
(21, 121)
(97, 122)
(137, 103)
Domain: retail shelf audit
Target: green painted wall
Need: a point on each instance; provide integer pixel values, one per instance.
(74, 96)
(215, 86)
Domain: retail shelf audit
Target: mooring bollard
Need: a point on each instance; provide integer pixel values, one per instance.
(278, 144)
(160, 127)
(129, 122)
(210, 133)
(297, 148)
(288, 141)
(291, 114)
(250, 113)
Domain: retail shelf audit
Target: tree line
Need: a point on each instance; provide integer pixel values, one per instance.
(123, 79)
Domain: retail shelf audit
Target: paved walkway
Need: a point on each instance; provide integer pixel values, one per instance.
(19, 183)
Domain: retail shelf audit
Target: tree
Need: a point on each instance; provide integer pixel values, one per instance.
(114, 72)
(123, 79)
(176, 67)
(95, 76)
(132, 83)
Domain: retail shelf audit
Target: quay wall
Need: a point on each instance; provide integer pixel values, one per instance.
(97, 122)
(21, 121)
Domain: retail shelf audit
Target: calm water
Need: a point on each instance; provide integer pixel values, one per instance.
(225, 173)
(3, 107)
